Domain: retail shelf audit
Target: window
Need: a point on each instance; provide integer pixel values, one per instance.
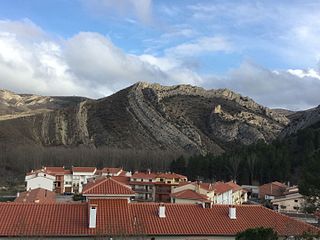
(150, 180)
(161, 179)
(141, 179)
(295, 200)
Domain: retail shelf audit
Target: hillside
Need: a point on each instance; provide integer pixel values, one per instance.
(143, 116)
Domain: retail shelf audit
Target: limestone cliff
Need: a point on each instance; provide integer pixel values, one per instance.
(148, 116)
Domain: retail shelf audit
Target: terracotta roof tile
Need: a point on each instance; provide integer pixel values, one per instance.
(144, 175)
(38, 195)
(170, 175)
(235, 187)
(84, 169)
(111, 170)
(118, 217)
(221, 187)
(189, 194)
(106, 186)
(55, 170)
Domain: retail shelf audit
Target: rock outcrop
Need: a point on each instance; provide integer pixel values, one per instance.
(147, 116)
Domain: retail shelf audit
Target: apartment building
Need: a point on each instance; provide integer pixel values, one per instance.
(214, 193)
(155, 187)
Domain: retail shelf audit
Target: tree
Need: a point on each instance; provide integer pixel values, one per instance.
(179, 166)
(257, 233)
(310, 183)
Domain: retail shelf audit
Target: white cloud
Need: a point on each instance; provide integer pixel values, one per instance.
(87, 64)
(139, 9)
(201, 45)
(285, 89)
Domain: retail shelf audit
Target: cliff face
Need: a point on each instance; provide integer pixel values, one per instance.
(150, 116)
(301, 120)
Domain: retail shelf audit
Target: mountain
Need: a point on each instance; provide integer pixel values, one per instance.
(14, 105)
(301, 120)
(142, 116)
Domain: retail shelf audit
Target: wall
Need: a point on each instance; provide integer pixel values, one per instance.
(40, 182)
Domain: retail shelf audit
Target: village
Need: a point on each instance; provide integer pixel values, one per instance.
(112, 202)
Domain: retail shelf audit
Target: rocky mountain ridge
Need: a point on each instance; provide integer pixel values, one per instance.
(144, 116)
(13, 105)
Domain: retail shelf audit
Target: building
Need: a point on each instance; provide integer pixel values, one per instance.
(40, 179)
(62, 181)
(215, 193)
(38, 195)
(119, 219)
(151, 187)
(239, 195)
(271, 190)
(143, 183)
(290, 201)
(114, 172)
(165, 183)
(107, 187)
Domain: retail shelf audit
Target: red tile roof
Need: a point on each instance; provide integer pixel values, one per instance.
(144, 175)
(170, 175)
(189, 194)
(106, 186)
(38, 195)
(111, 170)
(122, 179)
(55, 170)
(83, 169)
(221, 187)
(272, 189)
(235, 187)
(118, 217)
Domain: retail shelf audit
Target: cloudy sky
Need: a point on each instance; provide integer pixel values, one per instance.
(268, 50)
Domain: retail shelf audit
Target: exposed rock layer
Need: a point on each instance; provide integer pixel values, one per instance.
(144, 116)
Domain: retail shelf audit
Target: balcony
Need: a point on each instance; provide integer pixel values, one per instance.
(142, 189)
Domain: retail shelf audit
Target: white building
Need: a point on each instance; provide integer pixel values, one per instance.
(80, 176)
(40, 179)
(195, 192)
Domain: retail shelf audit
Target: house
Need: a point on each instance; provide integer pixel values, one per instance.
(107, 187)
(239, 195)
(40, 179)
(38, 195)
(143, 183)
(271, 190)
(118, 218)
(215, 193)
(80, 176)
(114, 172)
(290, 201)
(155, 187)
(165, 183)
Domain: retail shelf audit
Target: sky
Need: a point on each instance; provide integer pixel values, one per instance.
(267, 50)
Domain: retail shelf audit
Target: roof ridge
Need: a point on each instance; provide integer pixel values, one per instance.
(287, 217)
(97, 184)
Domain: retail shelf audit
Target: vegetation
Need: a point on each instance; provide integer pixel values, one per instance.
(257, 233)
(295, 159)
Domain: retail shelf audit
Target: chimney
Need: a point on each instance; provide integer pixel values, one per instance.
(92, 215)
(18, 194)
(232, 212)
(162, 210)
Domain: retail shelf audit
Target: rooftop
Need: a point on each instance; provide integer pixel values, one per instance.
(106, 186)
(38, 195)
(189, 194)
(118, 217)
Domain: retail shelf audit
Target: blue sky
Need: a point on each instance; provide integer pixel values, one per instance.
(268, 50)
